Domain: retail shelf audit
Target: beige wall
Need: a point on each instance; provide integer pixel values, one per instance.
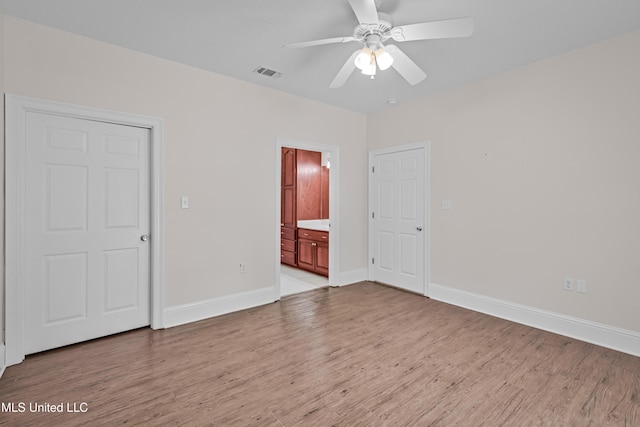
(1, 176)
(220, 139)
(540, 163)
(542, 166)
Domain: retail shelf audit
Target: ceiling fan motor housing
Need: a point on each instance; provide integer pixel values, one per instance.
(372, 35)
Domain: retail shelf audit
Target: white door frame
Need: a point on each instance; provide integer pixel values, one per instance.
(426, 146)
(334, 207)
(16, 109)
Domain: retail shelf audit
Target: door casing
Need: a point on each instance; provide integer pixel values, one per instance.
(16, 109)
(426, 147)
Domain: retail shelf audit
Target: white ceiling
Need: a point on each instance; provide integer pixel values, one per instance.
(234, 37)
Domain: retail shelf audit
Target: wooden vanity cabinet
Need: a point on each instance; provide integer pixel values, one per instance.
(313, 251)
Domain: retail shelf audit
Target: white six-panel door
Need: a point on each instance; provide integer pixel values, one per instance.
(87, 206)
(398, 217)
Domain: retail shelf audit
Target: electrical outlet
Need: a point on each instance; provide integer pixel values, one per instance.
(581, 286)
(447, 205)
(569, 284)
(243, 267)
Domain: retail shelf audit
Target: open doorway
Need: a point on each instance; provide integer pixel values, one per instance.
(307, 226)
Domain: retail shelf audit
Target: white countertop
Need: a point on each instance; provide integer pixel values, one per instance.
(314, 224)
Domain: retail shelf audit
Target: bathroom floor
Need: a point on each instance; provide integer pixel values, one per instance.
(295, 281)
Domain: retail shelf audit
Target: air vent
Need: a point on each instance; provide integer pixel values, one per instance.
(267, 72)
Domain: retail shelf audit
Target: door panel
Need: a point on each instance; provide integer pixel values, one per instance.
(66, 198)
(386, 258)
(121, 198)
(65, 285)
(398, 221)
(88, 204)
(121, 268)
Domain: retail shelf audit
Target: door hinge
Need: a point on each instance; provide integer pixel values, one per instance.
(373, 214)
(373, 169)
(373, 260)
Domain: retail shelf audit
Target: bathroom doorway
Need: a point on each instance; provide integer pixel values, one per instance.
(307, 223)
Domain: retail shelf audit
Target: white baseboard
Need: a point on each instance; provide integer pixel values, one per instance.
(351, 277)
(187, 313)
(611, 337)
(3, 364)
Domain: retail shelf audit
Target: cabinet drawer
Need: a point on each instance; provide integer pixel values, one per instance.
(288, 258)
(288, 233)
(288, 245)
(319, 236)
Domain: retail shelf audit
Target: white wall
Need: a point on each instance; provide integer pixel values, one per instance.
(542, 166)
(220, 136)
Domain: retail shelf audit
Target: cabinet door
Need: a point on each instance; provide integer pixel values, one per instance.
(288, 208)
(322, 258)
(308, 184)
(288, 167)
(288, 217)
(306, 254)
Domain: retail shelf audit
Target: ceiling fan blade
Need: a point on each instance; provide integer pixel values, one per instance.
(405, 66)
(322, 41)
(365, 11)
(460, 27)
(345, 71)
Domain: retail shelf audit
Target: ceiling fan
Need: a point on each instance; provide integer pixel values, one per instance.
(376, 28)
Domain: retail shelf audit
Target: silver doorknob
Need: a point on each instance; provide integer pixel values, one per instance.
(144, 237)
(419, 228)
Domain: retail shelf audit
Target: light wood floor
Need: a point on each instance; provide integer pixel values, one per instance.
(362, 355)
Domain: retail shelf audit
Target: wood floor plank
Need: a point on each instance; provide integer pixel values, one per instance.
(362, 355)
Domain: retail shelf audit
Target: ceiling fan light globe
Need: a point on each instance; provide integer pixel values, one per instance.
(383, 59)
(364, 58)
(369, 69)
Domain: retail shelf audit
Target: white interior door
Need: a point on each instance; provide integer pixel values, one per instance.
(399, 219)
(87, 207)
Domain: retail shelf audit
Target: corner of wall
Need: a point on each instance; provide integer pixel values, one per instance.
(2, 37)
